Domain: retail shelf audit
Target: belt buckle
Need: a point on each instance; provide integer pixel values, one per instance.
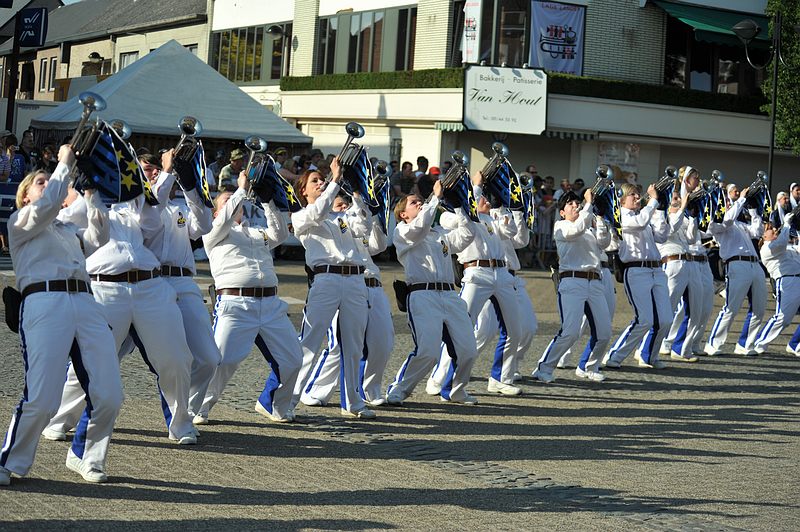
(129, 274)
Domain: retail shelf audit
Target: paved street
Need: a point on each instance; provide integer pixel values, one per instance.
(704, 446)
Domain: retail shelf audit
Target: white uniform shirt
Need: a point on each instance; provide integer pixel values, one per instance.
(44, 248)
(576, 242)
(488, 234)
(679, 234)
(133, 226)
(330, 237)
(239, 255)
(641, 232)
(181, 225)
(518, 241)
(424, 251)
(372, 245)
(779, 257)
(605, 241)
(734, 237)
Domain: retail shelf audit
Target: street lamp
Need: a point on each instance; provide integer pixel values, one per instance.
(747, 30)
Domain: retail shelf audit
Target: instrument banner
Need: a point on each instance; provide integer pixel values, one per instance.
(460, 195)
(264, 176)
(504, 184)
(360, 176)
(199, 171)
(557, 37)
(607, 206)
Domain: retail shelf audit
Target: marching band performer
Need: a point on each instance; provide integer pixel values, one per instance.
(782, 261)
(57, 307)
(486, 278)
(644, 280)
(744, 277)
(174, 248)
(247, 306)
(580, 289)
(435, 312)
(487, 324)
(332, 254)
(127, 282)
(378, 338)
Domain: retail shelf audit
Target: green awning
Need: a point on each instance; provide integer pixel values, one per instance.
(714, 25)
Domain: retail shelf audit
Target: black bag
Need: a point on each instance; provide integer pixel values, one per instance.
(309, 275)
(401, 294)
(617, 267)
(12, 300)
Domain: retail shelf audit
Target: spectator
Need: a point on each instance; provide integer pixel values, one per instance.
(733, 193)
(782, 207)
(578, 186)
(219, 163)
(229, 174)
(28, 151)
(422, 166)
(404, 183)
(315, 157)
(48, 160)
(545, 194)
(425, 182)
(565, 187)
(5, 162)
(531, 169)
(17, 160)
(280, 156)
(794, 195)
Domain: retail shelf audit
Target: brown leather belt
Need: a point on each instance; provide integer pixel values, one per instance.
(670, 258)
(592, 276)
(605, 264)
(341, 270)
(698, 258)
(743, 258)
(256, 291)
(372, 283)
(641, 264)
(131, 276)
(174, 271)
(442, 287)
(67, 285)
(485, 263)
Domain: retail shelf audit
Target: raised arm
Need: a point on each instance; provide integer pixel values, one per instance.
(414, 232)
(462, 234)
(756, 228)
(566, 231)
(378, 240)
(200, 216)
(638, 222)
(313, 214)
(225, 219)
(505, 225)
(277, 228)
(523, 235)
(358, 218)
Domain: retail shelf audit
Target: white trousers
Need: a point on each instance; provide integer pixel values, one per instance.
(432, 316)
(693, 312)
(347, 294)
(677, 272)
(579, 298)
(743, 279)
(787, 301)
(610, 293)
(378, 345)
(49, 321)
(488, 322)
(150, 307)
(479, 286)
(240, 321)
(648, 296)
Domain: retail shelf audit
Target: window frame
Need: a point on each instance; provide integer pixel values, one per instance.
(124, 56)
(43, 63)
(51, 83)
(234, 58)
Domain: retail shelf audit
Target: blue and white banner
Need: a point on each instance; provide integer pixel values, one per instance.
(557, 37)
(472, 31)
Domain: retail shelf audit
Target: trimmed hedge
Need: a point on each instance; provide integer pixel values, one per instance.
(557, 84)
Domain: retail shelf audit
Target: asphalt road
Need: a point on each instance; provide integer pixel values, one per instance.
(706, 446)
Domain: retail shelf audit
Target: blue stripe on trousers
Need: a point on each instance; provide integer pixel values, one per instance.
(12, 432)
(164, 405)
(502, 341)
(447, 386)
(274, 379)
(79, 441)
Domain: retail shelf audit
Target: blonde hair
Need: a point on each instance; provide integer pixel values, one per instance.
(25, 184)
(218, 200)
(627, 188)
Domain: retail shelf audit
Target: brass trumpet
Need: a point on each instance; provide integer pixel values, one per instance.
(381, 168)
(187, 146)
(495, 162)
(348, 155)
(457, 171)
(256, 145)
(121, 128)
(605, 179)
(85, 136)
(665, 186)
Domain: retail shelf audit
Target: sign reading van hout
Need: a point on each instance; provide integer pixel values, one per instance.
(503, 99)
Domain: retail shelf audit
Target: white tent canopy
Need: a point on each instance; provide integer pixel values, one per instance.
(153, 93)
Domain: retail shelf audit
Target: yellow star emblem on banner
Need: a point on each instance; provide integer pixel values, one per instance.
(127, 181)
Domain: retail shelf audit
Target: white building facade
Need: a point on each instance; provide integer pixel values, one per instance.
(642, 45)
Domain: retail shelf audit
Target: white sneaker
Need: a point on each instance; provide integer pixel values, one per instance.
(795, 352)
(759, 350)
(542, 377)
(710, 350)
(502, 388)
(54, 435)
(562, 362)
(680, 358)
(93, 475)
(609, 362)
(186, 439)
(517, 376)
(380, 401)
(311, 401)
(467, 399)
(269, 415)
(665, 353)
(395, 397)
(5, 476)
(200, 419)
(595, 376)
(739, 350)
(432, 387)
(364, 413)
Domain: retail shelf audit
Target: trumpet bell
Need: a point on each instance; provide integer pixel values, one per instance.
(92, 101)
(190, 126)
(500, 149)
(604, 172)
(354, 129)
(255, 143)
(460, 158)
(122, 128)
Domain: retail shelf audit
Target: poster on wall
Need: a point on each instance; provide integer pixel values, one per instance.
(622, 158)
(511, 100)
(557, 36)
(472, 31)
